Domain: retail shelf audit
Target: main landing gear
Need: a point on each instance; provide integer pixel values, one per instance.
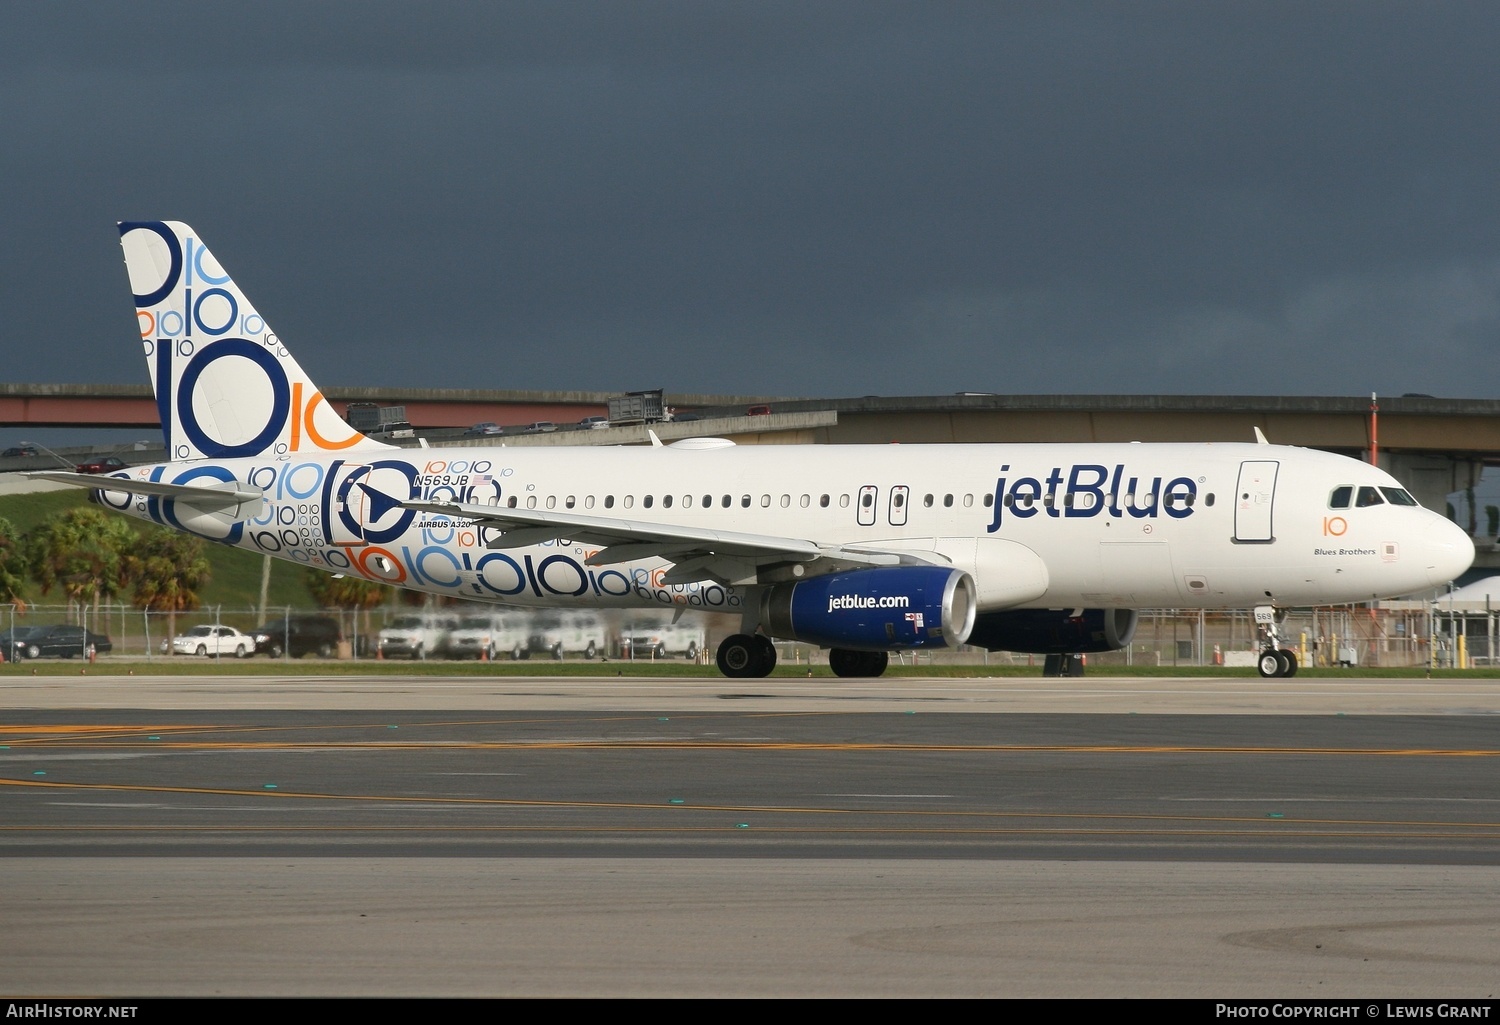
(746, 655)
(844, 662)
(1275, 660)
(743, 656)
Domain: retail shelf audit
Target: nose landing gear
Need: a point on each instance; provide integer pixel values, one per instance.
(1274, 661)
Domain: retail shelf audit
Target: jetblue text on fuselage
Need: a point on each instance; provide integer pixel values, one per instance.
(1088, 489)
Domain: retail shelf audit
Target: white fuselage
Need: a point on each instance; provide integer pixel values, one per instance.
(1042, 526)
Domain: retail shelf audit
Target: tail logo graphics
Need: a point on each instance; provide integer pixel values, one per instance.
(1088, 489)
(225, 385)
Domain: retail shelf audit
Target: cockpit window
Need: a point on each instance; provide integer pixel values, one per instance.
(1340, 497)
(1398, 496)
(1369, 496)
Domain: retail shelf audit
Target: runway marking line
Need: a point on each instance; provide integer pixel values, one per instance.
(501, 802)
(739, 745)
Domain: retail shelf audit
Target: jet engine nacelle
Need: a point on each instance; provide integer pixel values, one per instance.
(1055, 631)
(883, 609)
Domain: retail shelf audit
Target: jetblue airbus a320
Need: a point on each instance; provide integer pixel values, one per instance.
(863, 550)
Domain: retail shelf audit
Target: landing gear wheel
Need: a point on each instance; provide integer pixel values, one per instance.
(737, 656)
(1288, 662)
(746, 655)
(844, 662)
(767, 660)
(1280, 662)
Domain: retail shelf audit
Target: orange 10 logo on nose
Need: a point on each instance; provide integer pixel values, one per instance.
(1334, 526)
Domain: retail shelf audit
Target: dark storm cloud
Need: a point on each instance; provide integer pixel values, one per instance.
(776, 198)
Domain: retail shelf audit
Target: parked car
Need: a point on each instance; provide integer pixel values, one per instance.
(541, 427)
(758, 411)
(485, 428)
(299, 635)
(20, 452)
(594, 423)
(60, 641)
(211, 640)
(415, 636)
(104, 464)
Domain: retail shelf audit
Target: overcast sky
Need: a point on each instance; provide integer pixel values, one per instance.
(806, 199)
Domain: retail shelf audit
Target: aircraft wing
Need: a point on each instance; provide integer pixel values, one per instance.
(209, 495)
(698, 553)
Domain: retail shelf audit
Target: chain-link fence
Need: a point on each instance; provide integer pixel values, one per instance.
(1398, 634)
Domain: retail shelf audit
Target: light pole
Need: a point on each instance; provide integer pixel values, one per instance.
(37, 444)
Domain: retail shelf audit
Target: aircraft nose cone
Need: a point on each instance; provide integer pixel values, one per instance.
(1448, 552)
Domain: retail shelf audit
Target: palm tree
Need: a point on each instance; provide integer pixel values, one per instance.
(346, 592)
(13, 565)
(82, 551)
(167, 570)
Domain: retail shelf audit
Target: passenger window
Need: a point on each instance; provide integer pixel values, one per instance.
(666, 501)
(823, 501)
(866, 500)
(1340, 497)
(744, 501)
(629, 501)
(645, 502)
(806, 501)
(568, 502)
(927, 501)
(947, 501)
(609, 501)
(989, 499)
(843, 501)
(727, 501)
(512, 502)
(588, 501)
(786, 500)
(765, 501)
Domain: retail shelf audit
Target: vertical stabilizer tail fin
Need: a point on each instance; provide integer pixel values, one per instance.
(225, 384)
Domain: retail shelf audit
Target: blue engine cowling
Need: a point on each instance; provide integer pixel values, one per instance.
(874, 609)
(1055, 631)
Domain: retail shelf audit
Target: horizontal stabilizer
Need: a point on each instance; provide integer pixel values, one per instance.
(219, 495)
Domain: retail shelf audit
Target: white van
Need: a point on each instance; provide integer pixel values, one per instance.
(488, 635)
(657, 638)
(556, 634)
(415, 636)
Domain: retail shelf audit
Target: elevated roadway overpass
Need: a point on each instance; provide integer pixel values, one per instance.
(1434, 446)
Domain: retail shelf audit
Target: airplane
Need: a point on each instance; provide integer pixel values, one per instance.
(860, 549)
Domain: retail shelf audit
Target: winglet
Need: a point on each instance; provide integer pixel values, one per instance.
(655, 441)
(1260, 439)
